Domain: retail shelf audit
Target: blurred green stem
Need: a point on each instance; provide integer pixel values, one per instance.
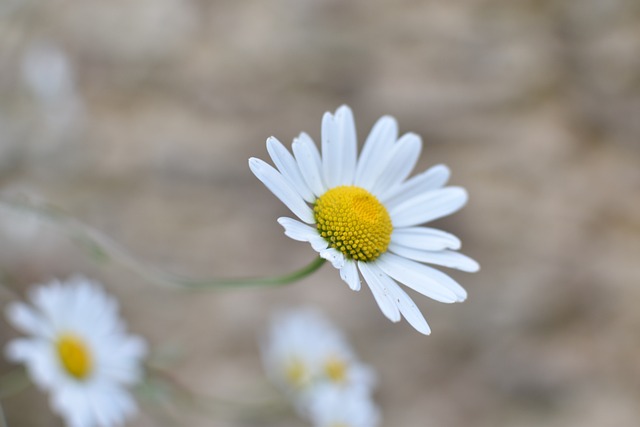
(103, 248)
(257, 281)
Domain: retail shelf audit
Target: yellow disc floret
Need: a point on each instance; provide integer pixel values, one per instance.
(354, 222)
(336, 369)
(296, 373)
(74, 356)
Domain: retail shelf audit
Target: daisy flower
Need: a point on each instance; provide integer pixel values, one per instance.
(363, 215)
(78, 350)
(303, 351)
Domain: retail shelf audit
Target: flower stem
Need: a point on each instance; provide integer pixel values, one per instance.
(104, 249)
(257, 281)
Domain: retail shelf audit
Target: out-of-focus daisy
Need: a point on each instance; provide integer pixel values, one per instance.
(333, 407)
(363, 214)
(303, 351)
(78, 350)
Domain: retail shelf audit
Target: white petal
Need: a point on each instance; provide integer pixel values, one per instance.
(409, 309)
(421, 278)
(329, 405)
(375, 152)
(51, 301)
(345, 137)
(429, 206)
(331, 152)
(111, 404)
(309, 162)
(39, 358)
(288, 167)
(21, 349)
(425, 238)
(296, 229)
(433, 179)
(445, 258)
(74, 405)
(281, 188)
(303, 233)
(121, 360)
(349, 273)
(334, 256)
(27, 320)
(318, 243)
(380, 290)
(402, 159)
(103, 404)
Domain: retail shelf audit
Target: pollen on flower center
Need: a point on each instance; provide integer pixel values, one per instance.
(296, 372)
(74, 356)
(353, 221)
(335, 369)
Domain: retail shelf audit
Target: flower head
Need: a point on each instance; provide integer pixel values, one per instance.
(78, 350)
(364, 215)
(306, 357)
(302, 350)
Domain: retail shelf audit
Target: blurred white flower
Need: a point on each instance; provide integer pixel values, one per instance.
(333, 407)
(78, 350)
(303, 351)
(364, 213)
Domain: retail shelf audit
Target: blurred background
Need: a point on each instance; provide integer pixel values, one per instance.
(137, 117)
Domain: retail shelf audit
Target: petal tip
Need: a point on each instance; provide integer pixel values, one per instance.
(272, 141)
(473, 267)
(463, 194)
(254, 162)
(344, 112)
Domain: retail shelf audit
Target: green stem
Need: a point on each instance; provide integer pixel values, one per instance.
(103, 248)
(257, 281)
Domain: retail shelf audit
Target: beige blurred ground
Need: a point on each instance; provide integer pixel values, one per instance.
(139, 117)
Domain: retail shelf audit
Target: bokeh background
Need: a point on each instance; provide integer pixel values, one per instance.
(137, 117)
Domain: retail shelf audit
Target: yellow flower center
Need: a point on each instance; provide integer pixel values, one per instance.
(296, 372)
(354, 222)
(335, 369)
(74, 356)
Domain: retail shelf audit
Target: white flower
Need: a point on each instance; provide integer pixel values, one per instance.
(78, 350)
(332, 407)
(364, 212)
(303, 351)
